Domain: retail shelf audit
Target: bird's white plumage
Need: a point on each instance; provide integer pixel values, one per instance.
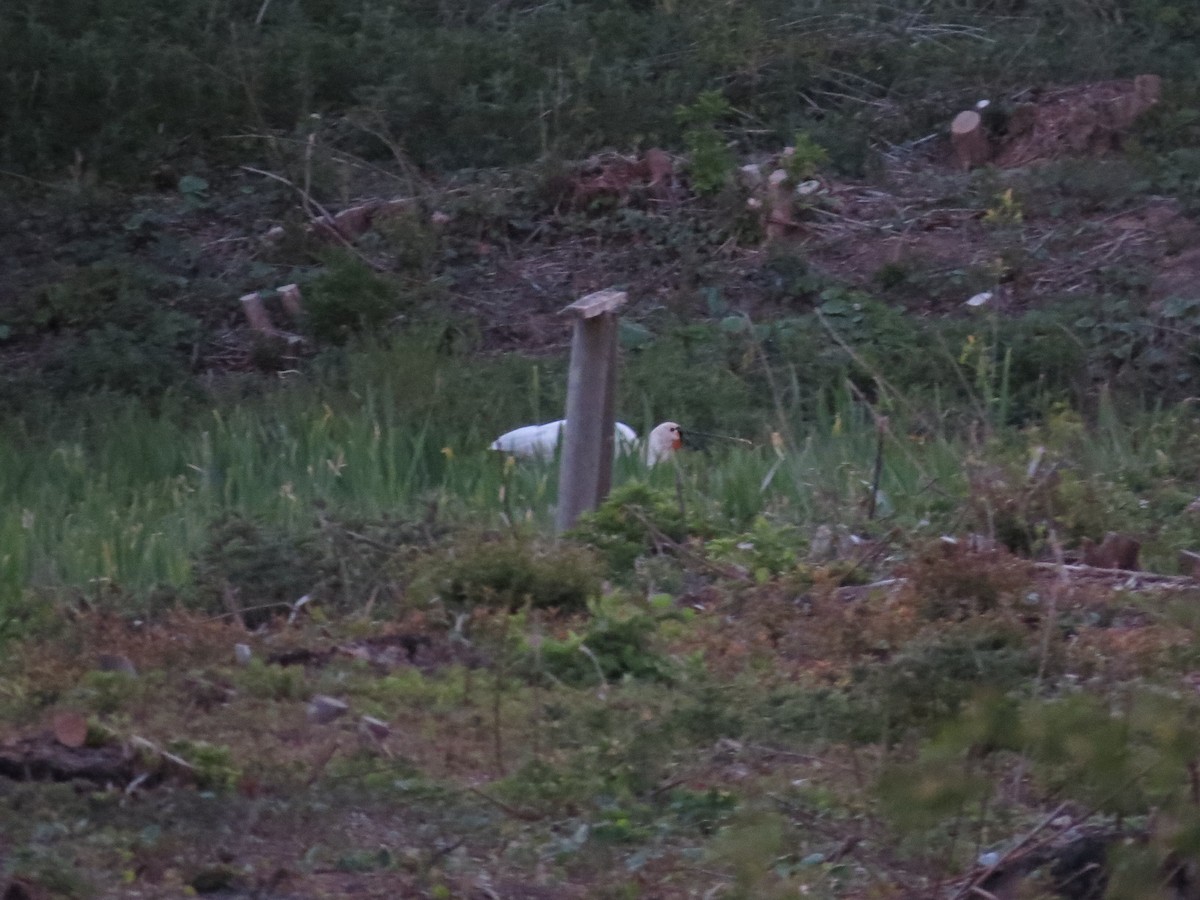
(540, 441)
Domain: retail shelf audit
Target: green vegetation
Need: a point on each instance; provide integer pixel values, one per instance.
(872, 633)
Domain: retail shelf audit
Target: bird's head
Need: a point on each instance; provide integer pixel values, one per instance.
(664, 440)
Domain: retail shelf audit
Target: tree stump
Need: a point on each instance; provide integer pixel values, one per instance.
(969, 139)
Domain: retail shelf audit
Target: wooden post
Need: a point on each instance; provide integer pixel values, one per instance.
(585, 471)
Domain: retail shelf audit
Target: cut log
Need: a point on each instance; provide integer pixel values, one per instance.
(36, 760)
(969, 139)
(289, 296)
(256, 313)
(779, 206)
(323, 709)
(70, 729)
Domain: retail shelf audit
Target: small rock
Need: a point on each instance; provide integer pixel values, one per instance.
(980, 299)
(323, 709)
(377, 728)
(243, 654)
(751, 175)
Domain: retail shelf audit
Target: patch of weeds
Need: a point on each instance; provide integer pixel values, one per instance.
(768, 549)
(952, 779)
(711, 161)
(953, 582)
(350, 298)
(508, 574)
(554, 789)
(1129, 759)
(702, 811)
(113, 333)
(813, 713)
(931, 678)
(632, 522)
(1075, 186)
(46, 868)
(106, 692)
(922, 684)
(213, 765)
(365, 861)
(805, 158)
(256, 568)
(412, 241)
(267, 681)
(750, 846)
(620, 826)
(613, 648)
(709, 711)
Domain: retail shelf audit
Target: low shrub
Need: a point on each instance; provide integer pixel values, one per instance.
(508, 573)
(349, 298)
(632, 522)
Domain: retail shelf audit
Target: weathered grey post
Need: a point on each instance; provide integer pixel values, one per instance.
(585, 471)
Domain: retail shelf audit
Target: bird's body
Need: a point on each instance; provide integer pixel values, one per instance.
(540, 441)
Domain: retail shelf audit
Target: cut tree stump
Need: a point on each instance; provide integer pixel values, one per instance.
(256, 313)
(969, 139)
(289, 296)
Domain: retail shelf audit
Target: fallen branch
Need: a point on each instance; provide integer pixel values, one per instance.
(1096, 571)
(1020, 848)
(327, 218)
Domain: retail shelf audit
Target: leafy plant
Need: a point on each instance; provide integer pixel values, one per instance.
(711, 161)
(613, 647)
(348, 298)
(805, 158)
(631, 522)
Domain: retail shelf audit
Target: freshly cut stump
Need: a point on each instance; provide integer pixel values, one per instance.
(970, 141)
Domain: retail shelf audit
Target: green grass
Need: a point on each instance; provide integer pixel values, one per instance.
(123, 498)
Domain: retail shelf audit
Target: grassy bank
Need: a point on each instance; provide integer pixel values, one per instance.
(113, 499)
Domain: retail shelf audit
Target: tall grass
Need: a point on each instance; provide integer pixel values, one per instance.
(120, 496)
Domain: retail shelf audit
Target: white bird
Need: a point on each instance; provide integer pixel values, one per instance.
(540, 441)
